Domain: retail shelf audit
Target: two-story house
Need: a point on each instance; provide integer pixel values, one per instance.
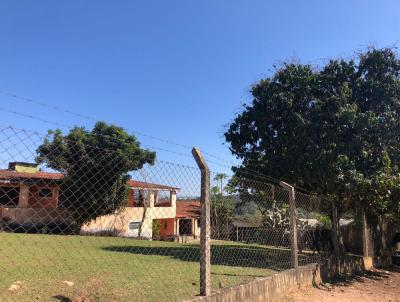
(29, 201)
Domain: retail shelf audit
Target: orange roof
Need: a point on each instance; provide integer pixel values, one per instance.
(188, 208)
(14, 175)
(147, 185)
(10, 174)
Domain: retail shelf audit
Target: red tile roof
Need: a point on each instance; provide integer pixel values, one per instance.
(10, 174)
(189, 208)
(14, 175)
(147, 185)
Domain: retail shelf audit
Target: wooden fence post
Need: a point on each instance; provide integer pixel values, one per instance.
(293, 224)
(205, 250)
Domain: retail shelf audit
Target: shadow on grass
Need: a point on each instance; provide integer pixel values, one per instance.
(229, 255)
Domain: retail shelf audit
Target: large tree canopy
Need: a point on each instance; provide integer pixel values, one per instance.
(96, 165)
(333, 130)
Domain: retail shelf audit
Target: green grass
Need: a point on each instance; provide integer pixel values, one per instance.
(118, 269)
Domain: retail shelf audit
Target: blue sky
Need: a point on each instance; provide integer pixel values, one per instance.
(177, 70)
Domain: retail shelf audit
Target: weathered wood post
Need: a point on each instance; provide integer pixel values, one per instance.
(293, 224)
(205, 251)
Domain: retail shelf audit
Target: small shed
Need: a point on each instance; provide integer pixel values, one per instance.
(243, 230)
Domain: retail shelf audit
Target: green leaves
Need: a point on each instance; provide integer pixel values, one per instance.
(333, 130)
(96, 165)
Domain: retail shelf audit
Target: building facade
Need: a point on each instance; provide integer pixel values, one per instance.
(29, 201)
(149, 213)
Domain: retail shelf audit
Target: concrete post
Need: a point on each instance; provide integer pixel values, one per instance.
(293, 224)
(152, 197)
(23, 201)
(365, 236)
(368, 263)
(173, 199)
(205, 249)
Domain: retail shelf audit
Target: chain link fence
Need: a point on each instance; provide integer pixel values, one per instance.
(257, 215)
(97, 224)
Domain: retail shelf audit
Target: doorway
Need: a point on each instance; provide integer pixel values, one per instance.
(185, 227)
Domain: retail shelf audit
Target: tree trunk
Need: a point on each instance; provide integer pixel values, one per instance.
(382, 233)
(336, 238)
(141, 224)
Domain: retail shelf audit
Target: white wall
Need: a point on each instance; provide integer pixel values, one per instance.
(119, 222)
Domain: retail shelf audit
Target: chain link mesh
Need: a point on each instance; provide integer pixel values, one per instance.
(98, 231)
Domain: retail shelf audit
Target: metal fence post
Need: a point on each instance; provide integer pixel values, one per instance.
(293, 224)
(205, 251)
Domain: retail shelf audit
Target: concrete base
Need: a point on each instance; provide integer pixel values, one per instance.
(368, 263)
(268, 288)
(341, 266)
(279, 285)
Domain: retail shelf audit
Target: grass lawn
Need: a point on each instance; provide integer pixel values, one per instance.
(118, 269)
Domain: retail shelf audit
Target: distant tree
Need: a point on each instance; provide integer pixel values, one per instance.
(221, 207)
(332, 130)
(95, 165)
(261, 196)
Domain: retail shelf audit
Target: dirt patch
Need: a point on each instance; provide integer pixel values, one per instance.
(377, 285)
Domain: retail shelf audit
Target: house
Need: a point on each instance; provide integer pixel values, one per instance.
(150, 212)
(243, 230)
(29, 200)
(187, 221)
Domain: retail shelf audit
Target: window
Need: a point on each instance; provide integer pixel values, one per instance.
(162, 198)
(134, 225)
(9, 196)
(47, 193)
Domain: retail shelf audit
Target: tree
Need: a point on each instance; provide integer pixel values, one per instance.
(95, 165)
(221, 207)
(333, 130)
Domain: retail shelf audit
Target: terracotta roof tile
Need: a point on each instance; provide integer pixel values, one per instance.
(187, 208)
(10, 174)
(15, 176)
(148, 185)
